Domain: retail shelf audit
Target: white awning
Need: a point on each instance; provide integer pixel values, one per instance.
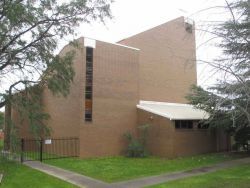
(173, 111)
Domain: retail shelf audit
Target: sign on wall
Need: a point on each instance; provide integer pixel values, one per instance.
(48, 141)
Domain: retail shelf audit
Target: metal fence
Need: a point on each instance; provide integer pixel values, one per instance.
(44, 149)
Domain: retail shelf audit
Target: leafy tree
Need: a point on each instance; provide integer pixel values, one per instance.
(228, 102)
(29, 35)
(1, 120)
(137, 146)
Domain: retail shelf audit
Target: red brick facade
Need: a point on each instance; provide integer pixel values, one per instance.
(162, 69)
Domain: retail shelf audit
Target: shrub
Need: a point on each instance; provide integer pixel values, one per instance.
(242, 138)
(137, 146)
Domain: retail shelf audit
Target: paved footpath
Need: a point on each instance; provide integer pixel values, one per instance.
(69, 176)
(84, 181)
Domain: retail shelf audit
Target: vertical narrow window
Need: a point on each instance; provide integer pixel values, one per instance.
(89, 84)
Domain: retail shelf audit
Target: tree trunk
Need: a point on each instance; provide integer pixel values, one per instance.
(7, 126)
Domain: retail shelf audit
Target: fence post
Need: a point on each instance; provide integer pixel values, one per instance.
(41, 150)
(75, 153)
(22, 149)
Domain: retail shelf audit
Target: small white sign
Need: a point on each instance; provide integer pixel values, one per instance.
(48, 141)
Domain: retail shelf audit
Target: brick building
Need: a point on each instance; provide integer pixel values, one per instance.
(118, 87)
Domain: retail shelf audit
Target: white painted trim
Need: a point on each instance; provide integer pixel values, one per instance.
(166, 115)
(165, 103)
(114, 44)
(153, 111)
(133, 48)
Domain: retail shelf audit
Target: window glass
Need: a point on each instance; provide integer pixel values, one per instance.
(184, 124)
(89, 84)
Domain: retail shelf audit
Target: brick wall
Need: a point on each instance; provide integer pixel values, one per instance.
(163, 70)
(166, 141)
(167, 61)
(115, 95)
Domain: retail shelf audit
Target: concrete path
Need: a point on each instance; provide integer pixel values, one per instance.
(147, 181)
(84, 181)
(69, 176)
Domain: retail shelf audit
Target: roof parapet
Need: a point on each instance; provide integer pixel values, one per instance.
(117, 44)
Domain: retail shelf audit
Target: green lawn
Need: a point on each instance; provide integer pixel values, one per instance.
(229, 178)
(18, 175)
(113, 169)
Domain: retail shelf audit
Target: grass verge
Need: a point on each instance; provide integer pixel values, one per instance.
(18, 175)
(228, 178)
(114, 169)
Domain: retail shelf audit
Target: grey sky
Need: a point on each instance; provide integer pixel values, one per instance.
(134, 16)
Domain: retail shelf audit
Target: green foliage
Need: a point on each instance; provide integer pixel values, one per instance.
(215, 105)
(60, 74)
(228, 100)
(242, 138)
(1, 120)
(1, 145)
(28, 105)
(137, 146)
(30, 32)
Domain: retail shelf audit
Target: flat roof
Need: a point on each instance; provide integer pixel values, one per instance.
(173, 111)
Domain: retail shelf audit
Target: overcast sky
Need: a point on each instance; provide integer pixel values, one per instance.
(134, 16)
